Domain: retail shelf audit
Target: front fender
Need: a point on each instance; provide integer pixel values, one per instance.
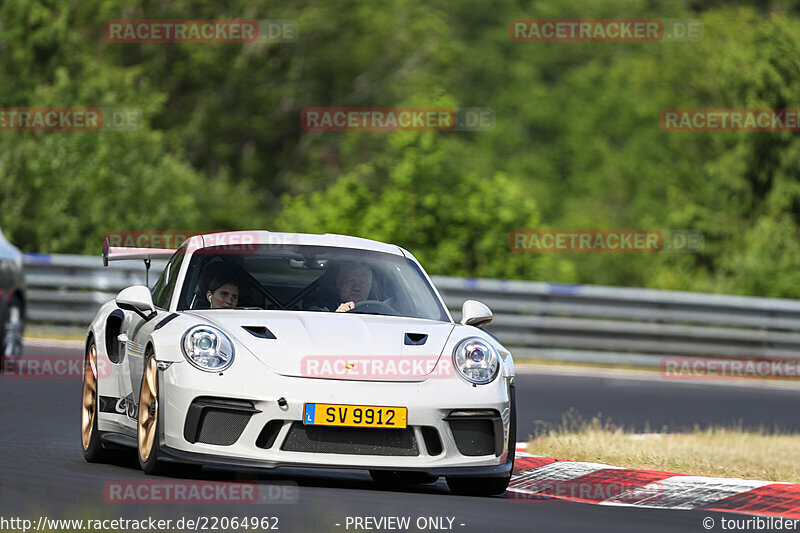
(167, 335)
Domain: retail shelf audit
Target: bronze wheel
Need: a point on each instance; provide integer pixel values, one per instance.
(89, 408)
(147, 427)
(148, 410)
(93, 450)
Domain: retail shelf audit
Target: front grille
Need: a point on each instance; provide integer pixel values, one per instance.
(221, 426)
(473, 436)
(352, 441)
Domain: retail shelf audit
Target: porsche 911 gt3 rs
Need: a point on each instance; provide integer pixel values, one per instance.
(265, 350)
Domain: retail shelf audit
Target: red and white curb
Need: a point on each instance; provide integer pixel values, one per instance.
(537, 477)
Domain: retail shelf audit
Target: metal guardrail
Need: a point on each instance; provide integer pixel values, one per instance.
(69, 289)
(553, 321)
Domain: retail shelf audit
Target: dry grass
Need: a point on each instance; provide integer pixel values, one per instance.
(716, 451)
(54, 335)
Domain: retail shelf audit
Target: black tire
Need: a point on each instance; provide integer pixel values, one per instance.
(512, 428)
(489, 486)
(394, 478)
(94, 452)
(151, 465)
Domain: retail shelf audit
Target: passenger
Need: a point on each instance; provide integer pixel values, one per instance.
(223, 293)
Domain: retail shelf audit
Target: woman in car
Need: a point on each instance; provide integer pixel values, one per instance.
(223, 293)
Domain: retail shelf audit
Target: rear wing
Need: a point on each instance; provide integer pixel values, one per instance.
(122, 253)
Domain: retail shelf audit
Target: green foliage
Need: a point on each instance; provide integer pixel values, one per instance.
(454, 221)
(62, 191)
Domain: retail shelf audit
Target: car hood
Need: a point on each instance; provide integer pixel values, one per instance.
(306, 341)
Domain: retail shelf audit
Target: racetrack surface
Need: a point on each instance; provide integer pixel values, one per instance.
(43, 471)
(636, 402)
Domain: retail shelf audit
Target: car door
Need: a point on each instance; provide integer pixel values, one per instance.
(138, 329)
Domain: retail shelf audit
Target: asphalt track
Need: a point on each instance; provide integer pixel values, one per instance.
(653, 404)
(42, 471)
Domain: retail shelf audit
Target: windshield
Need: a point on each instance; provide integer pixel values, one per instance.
(309, 278)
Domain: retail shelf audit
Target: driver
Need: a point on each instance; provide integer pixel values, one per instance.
(354, 283)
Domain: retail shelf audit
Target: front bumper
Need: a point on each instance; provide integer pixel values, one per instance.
(273, 397)
(178, 456)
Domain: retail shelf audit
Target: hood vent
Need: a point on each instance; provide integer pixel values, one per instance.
(262, 332)
(416, 339)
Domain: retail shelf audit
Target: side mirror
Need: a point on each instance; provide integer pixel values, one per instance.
(474, 313)
(137, 299)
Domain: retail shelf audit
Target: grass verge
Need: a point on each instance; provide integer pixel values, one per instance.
(714, 451)
(61, 335)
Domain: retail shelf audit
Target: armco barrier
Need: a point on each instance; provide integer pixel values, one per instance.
(554, 321)
(68, 289)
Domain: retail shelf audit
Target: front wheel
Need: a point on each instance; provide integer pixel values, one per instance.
(93, 450)
(147, 427)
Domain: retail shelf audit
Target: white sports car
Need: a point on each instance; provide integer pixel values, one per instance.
(265, 350)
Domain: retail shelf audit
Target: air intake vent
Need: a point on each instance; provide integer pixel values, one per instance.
(416, 339)
(268, 435)
(474, 437)
(262, 332)
(218, 421)
(477, 432)
(432, 440)
(353, 441)
(221, 427)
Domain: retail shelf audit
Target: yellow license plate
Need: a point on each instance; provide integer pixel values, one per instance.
(367, 416)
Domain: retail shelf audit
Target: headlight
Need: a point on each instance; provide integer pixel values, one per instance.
(476, 360)
(207, 348)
